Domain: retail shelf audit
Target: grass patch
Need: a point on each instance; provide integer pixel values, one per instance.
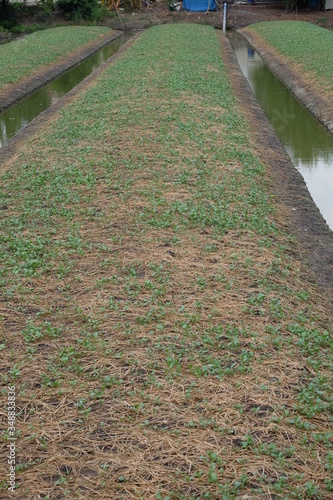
(21, 58)
(156, 323)
(308, 45)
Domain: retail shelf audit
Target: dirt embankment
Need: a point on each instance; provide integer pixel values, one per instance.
(304, 218)
(239, 16)
(19, 90)
(300, 84)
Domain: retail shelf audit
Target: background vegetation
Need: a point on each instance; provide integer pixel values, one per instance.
(39, 15)
(80, 9)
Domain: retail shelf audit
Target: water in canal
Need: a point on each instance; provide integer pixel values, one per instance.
(18, 116)
(308, 144)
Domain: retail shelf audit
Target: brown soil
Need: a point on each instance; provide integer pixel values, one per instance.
(243, 15)
(239, 16)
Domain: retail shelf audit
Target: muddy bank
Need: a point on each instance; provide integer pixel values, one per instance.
(239, 16)
(23, 88)
(307, 92)
(302, 216)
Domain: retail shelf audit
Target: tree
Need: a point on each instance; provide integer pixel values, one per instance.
(6, 13)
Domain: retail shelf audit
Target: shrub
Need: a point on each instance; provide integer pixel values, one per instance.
(44, 10)
(79, 9)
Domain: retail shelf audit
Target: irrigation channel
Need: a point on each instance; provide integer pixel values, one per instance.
(308, 144)
(306, 141)
(18, 116)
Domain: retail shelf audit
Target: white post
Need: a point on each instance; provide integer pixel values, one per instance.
(224, 17)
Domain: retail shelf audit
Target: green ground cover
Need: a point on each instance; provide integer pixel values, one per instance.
(156, 322)
(306, 44)
(21, 58)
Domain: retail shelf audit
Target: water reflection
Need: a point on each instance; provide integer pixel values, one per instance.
(308, 144)
(18, 116)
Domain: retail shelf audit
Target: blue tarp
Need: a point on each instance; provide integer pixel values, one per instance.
(199, 5)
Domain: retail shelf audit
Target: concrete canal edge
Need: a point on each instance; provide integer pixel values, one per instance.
(303, 218)
(44, 75)
(309, 94)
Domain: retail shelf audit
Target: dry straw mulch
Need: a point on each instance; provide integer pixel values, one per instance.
(156, 318)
